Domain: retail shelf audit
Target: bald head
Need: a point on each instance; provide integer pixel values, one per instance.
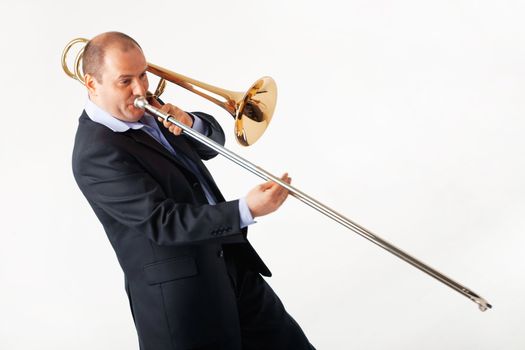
(95, 49)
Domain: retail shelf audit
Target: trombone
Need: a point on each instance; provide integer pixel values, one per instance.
(253, 111)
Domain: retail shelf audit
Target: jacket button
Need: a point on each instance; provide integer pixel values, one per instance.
(221, 253)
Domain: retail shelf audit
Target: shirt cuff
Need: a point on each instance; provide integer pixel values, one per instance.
(199, 125)
(245, 214)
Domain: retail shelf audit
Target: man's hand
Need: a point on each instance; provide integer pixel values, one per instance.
(267, 197)
(176, 113)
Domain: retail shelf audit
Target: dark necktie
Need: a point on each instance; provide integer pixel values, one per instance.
(152, 129)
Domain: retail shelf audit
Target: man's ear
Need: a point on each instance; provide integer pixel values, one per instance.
(91, 84)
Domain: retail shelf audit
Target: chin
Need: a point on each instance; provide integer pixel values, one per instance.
(134, 114)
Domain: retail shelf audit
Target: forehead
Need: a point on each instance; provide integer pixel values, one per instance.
(119, 61)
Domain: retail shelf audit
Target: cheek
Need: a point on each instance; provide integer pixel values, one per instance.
(121, 95)
(116, 97)
(106, 96)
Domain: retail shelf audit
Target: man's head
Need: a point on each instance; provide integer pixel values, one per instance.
(115, 74)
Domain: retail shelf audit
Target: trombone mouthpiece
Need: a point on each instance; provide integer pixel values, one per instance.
(140, 102)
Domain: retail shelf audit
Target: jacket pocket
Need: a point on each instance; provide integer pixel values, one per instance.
(170, 269)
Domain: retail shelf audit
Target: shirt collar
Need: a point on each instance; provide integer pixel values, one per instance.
(98, 115)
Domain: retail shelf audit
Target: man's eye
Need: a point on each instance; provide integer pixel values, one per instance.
(125, 82)
(143, 75)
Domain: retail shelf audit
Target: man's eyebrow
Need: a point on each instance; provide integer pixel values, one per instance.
(130, 75)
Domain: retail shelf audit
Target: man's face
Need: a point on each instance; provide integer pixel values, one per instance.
(123, 79)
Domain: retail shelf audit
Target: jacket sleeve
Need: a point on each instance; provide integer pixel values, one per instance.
(124, 196)
(215, 132)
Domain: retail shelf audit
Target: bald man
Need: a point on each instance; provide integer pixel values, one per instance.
(192, 278)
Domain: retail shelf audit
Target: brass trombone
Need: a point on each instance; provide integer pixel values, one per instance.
(252, 112)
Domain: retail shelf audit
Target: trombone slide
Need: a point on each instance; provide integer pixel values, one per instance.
(141, 102)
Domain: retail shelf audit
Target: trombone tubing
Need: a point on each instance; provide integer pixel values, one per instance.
(141, 102)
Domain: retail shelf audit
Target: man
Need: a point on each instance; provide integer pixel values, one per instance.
(192, 278)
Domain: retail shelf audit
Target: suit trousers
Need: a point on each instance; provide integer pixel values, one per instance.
(264, 324)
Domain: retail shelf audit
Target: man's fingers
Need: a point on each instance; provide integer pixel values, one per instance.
(166, 108)
(266, 186)
(275, 191)
(267, 197)
(283, 192)
(284, 178)
(272, 186)
(175, 129)
(153, 101)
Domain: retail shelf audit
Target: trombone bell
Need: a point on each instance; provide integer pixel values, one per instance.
(251, 110)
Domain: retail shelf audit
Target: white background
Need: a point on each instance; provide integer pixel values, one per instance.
(406, 116)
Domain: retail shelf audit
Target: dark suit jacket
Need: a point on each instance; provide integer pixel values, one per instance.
(168, 239)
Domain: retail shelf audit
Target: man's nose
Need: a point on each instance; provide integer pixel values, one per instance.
(139, 88)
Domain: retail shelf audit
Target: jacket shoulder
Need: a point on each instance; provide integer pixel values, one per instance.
(95, 141)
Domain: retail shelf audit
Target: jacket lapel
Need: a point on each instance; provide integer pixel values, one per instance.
(143, 138)
(180, 144)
